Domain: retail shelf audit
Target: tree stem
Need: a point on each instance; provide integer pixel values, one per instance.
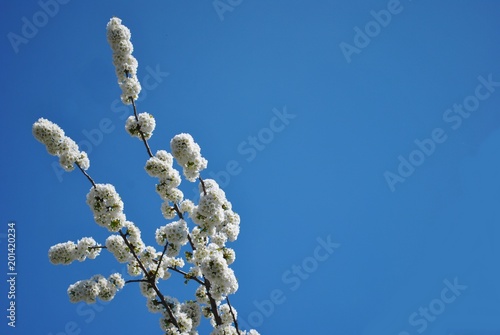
(232, 313)
(86, 175)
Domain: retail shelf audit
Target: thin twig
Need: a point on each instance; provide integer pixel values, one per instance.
(86, 175)
(234, 317)
(178, 211)
(186, 275)
(136, 281)
(203, 186)
(98, 247)
(151, 281)
(161, 258)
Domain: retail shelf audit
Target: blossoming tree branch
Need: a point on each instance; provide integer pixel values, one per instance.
(215, 223)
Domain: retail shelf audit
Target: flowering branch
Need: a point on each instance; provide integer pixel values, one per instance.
(232, 314)
(140, 131)
(187, 275)
(151, 280)
(215, 223)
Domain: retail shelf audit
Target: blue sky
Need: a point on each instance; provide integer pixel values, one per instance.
(359, 142)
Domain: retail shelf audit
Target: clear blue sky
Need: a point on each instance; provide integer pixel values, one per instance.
(388, 152)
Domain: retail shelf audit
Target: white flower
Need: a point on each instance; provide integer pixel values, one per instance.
(193, 311)
(116, 32)
(188, 155)
(66, 253)
(62, 253)
(250, 332)
(49, 134)
(174, 233)
(160, 166)
(229, 255)
(222, 279)
(117, 280)
(133, 268)
(187, 206)
(83, 290)
(116, 245)
(83, 160)
(126, 65)
(58, 144)
(148, 255)
(134, 236)
(201, 295)
(130, 90)
(225, 314)
(86, 247)
(224, 330)
(165, 156)
(167, 192)
(168, 211)
(184, 322)
(95, 287)
(107, 207)
(147, 290)
(154, 306)
(145, 124)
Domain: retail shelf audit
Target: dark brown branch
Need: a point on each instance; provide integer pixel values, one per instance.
(232, 314)
(86, 175)
(179, 213)
(161, 258)
(186, 275)
(203, 186)
(213, 304)
(151, 280)
(136, 281)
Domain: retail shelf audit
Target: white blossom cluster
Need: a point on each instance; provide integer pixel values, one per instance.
(188, 155)
(214, 214)
(116, 245)
(187, 315)
(60, 145)
(67, 252)
(125, 64)
(107, 207)
(216, 224)
(230, 330)
(175, 233)
(96, 287)
(146, 124)
(226, 328)
(160, 166)
(147, 255)
(222, 279)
